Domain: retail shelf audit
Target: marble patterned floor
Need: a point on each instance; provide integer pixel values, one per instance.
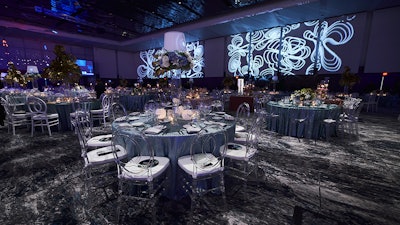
(347, 180)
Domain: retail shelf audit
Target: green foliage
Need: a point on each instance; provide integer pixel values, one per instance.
(63, 67)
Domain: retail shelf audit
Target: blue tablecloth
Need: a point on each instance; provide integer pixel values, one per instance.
(64, 109)
(172, 143)
(135, 102)
(313, 127)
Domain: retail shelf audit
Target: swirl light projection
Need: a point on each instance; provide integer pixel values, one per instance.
(268, 51)
(146, 70)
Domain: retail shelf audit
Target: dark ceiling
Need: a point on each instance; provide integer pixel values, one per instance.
(139, 24)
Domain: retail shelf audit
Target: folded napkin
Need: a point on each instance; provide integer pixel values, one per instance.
(191, 129)
(134, 113)
(239, 128)
(133, 118)
(155, 129)
(124, 124)
(229, 117)
(215, 123)
(120, 119)
(137, 124)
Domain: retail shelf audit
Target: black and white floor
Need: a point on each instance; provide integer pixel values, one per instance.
(343, 181)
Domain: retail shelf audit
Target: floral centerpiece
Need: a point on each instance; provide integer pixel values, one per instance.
(166, 61)
(303, 94)
(14, 75)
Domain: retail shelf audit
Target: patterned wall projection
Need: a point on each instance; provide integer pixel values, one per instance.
(294, 49)
(146, 70)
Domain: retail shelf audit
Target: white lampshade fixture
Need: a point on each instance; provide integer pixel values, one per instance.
(240, 84)
(174, 41)
(32, 70)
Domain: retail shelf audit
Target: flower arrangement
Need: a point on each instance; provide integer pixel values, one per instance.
(166, 61)
(304, 94)
(14, 75)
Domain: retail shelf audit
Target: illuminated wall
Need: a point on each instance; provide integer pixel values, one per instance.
(294, 49)
(195, 49)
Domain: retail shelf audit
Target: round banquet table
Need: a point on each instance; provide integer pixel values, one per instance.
(64, 109)
(135, 102)
(314, 114)
(173, 142)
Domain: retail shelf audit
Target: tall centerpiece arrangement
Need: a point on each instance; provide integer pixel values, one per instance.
(173, 58)
(167, 61)
(14, 75)
(303, 96)
(63, 68)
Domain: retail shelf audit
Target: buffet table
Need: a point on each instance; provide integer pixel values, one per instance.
(173, 141)
(314, 114)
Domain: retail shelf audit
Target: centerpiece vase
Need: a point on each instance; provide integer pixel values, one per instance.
(176, 78)
(35, 84)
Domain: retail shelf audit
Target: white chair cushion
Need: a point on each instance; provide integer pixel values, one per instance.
(104, 155)
(238, 152)
(329, 121)
(96, 111)
(206, 164)
(241, 137)
(43, 116)
(136, 171)
(100, 141)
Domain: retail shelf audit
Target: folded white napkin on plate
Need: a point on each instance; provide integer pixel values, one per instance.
(214, 123)
(239, 128)
(133, 117)
(120, 119)
(137, 124)
(155, 129)
(191, 129)
(229, 117)
(134, 113)
(124, 124)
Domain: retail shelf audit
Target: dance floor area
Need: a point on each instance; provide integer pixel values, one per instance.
(347, 180)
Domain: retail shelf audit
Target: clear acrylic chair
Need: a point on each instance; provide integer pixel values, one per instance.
(13, 118)
(118, 110)
(348, 121)
(99, 165)
(39, 116)
(102, 114)
(141, 176)
(241, 156)
(242, 117)
(82, 116)
(203, 168)
(79, 108)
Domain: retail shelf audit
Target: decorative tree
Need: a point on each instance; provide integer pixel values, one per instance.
(348, 79)
(63, 67)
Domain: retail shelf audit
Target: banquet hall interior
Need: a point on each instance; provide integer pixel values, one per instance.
(106, 106)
